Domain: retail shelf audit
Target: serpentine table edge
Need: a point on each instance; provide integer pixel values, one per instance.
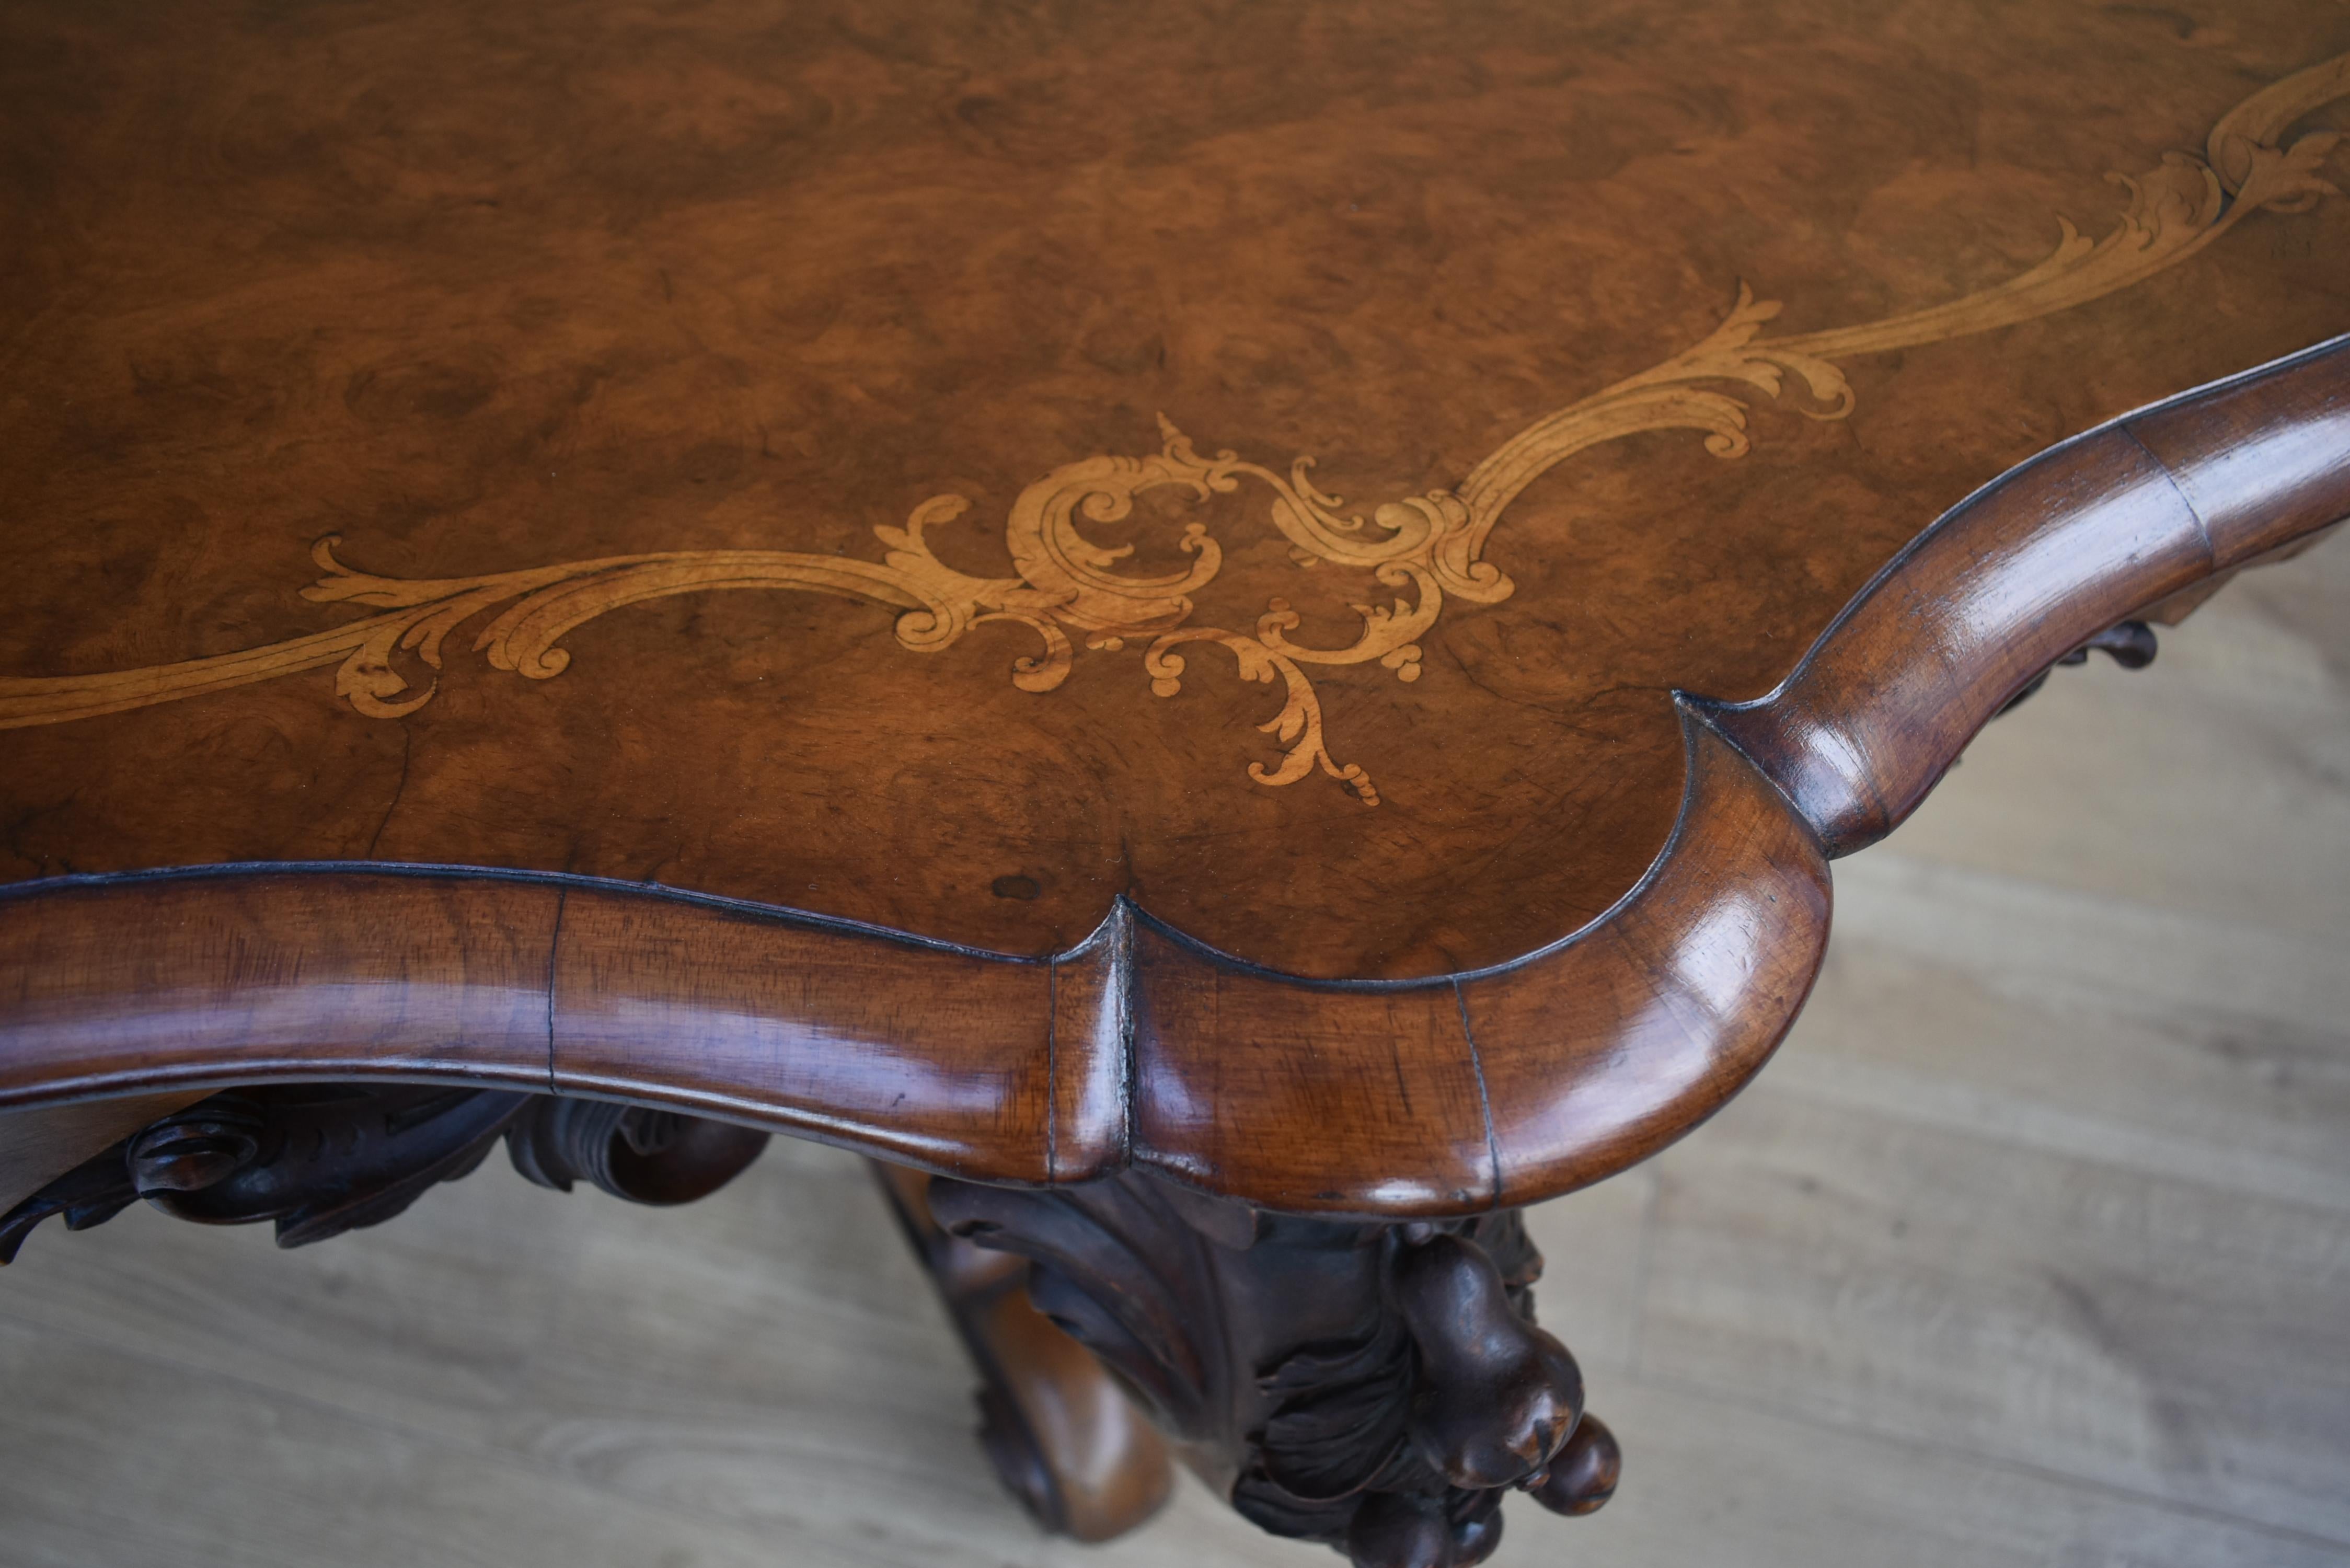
(1141, 1048)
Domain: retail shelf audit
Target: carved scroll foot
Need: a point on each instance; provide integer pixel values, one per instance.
(1063, 1438)
(321, 1160)
(1375, 1387)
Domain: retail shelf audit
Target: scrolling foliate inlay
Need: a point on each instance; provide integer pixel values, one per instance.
(1066, 589)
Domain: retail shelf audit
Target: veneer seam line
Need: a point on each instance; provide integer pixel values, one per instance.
(2170, 479)
(1701, 711)
(1052, 1071)
(554, 969)
(1124, 981)
(1484, 1097)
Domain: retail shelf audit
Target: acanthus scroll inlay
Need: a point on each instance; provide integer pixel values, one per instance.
(1065, 589)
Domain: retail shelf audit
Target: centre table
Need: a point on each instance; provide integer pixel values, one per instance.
(1236, 638)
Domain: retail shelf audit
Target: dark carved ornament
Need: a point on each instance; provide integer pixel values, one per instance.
(321, 1160)
(1377, 1386)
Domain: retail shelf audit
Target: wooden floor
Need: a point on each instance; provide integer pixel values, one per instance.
(2032, 1247)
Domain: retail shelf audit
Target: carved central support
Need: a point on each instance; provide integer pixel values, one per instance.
(1375, 1387)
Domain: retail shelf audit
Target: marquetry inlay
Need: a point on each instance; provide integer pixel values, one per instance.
(1066, 589)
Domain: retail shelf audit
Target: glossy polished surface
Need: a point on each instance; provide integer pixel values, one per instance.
(666, 718)
(729, 288)
(2049, 1178)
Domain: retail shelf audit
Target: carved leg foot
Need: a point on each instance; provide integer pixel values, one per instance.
(1375, 1387)
(1063, 1438)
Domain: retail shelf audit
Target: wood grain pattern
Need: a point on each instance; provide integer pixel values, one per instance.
(478, 322)
(2029, 1245)
(353, 278)
(1433, 544)
(1456, 1095)
(2078, 1023)
(1588, 1058)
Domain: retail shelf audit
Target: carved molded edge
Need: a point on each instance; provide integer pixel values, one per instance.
(2033, 565)
(1139, 1047)
(1136, 1047)
(1499, 1086)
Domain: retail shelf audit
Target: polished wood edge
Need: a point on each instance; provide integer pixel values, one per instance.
(2129, 515)
(1138, 1047)
(1442, 1095)
(2175, 609)
(1506, 1085)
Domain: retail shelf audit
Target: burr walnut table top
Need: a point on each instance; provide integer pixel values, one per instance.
(1176, 496)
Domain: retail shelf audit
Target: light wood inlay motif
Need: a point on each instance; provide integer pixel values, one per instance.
(1064, 585)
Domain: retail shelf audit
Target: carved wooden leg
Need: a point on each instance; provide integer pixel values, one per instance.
(1065, 1438)
(321, 1160)
(1375, 1387)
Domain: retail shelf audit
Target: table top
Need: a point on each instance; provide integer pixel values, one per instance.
(1338, 492)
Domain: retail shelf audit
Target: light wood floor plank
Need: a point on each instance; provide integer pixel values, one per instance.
(120, 1462)
(2151, 1335)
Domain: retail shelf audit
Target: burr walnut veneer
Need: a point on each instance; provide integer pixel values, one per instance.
(1246, 632)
